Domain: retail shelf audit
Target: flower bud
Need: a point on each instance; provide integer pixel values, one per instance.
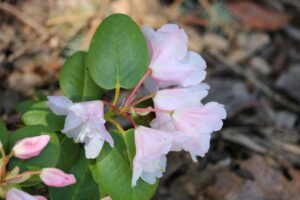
(15, 194)
(56, 178)
(30, 147)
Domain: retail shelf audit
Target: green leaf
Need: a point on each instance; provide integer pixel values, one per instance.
(118, 54)
(3, 135)
(47, 158)
(68, 154)
(130, 144)
(115, 174)
(40, 114)
(85, 188)
(25, 105)
(75, 80)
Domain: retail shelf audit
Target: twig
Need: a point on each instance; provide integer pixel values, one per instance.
(250, 76)
(23, 18)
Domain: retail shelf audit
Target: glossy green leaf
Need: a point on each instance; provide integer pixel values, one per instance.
(69, 152)
(75, 80)
(49, 155)
(118, 54)
(40, 114)
(115, 174)
(85, 188)
(3, 135)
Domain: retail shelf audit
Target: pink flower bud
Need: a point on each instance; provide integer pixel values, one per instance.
(15, 194)
(56, 178)
(30, 147)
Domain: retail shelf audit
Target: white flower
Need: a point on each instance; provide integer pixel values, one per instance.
(85, 124)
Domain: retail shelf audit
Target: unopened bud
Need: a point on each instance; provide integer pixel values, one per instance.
(56, 178)
(30, 147)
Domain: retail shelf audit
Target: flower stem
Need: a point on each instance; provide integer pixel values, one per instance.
(129, 118)
(131, 96)
(151, 110)
(110, 105)
(28, 173)
(116, 124)
(117, 94)
(149, 96)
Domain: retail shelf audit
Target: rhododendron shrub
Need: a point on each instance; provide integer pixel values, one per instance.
(135, 96)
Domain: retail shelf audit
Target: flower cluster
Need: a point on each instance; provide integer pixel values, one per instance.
(182, 121)
(25, 149)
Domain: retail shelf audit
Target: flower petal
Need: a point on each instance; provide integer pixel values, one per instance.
(150, 160)
(171, 99)
(93, 147)
(59, 104)
(15, 194)
(203, 119)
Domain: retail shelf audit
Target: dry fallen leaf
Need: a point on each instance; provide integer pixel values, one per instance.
(258, 16)
(267, 183)
(289, 81)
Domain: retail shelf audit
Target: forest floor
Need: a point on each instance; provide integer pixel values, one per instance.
(252, 50)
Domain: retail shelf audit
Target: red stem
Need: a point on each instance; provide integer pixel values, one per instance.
(129, 118)
(149, 96)
(109, 104)
(131, 96)
(151, 110)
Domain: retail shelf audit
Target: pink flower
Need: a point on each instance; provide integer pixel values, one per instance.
(30, 147)
(171, 63)
(151, 148)
(172, 99)
(197, 123)
(191, 122)
(56, 178)
(84, 123)
(15, 194)
(59, 104)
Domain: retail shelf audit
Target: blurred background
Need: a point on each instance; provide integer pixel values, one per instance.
(252, 49)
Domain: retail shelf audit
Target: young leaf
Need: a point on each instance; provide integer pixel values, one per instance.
(3, 135)
(75, 80)
(47, 158)
(115, 175)
(118, 54)
(84, 189)
(40, 114)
